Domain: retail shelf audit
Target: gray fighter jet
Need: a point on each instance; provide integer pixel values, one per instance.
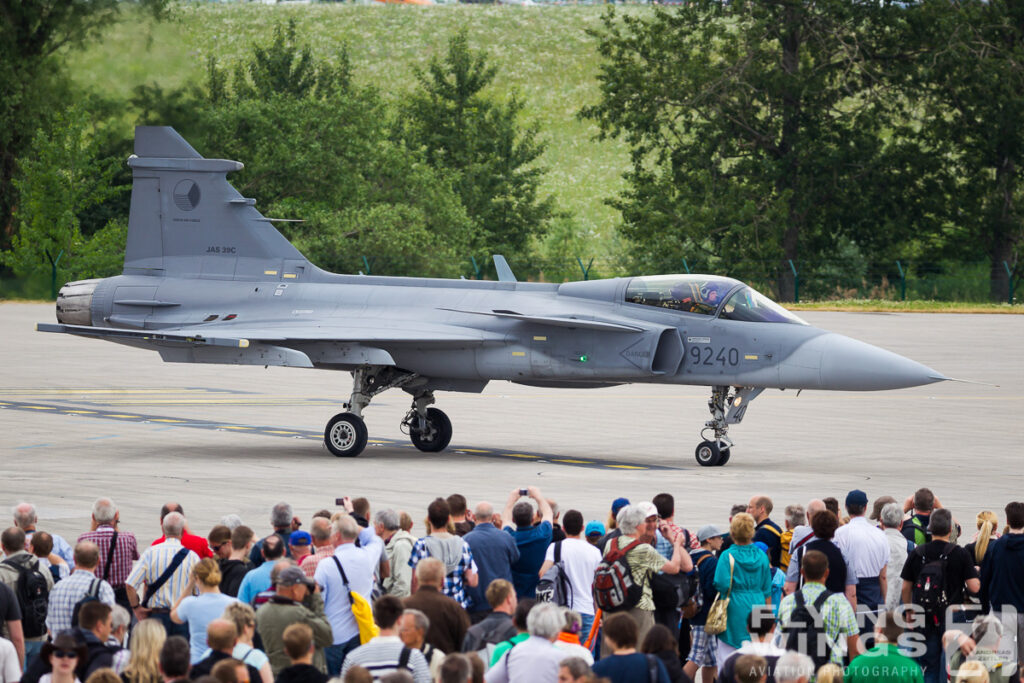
(208, 279)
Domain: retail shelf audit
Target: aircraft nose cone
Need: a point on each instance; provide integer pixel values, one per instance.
(851, 365)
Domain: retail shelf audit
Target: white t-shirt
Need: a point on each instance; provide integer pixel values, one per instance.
(580, 559)
(10, 672)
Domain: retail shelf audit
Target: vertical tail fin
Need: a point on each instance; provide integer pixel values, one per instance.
(187, 220)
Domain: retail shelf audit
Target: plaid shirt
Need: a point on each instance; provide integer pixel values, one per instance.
(68, 592)
(664, 544)
(125, 553)
(152, 564)
(309, 563)
(840, 621)
(454, 587)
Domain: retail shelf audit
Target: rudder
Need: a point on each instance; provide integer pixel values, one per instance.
(186, 219)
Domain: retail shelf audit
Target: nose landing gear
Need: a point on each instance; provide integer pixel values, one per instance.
(715, 452)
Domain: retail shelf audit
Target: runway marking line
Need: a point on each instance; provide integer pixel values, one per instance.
(175, 423)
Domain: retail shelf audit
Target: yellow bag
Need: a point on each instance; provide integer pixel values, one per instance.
(718, 614)
(363, 614)
(361, 610)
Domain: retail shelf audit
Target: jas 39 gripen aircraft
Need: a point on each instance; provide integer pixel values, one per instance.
(208, 279)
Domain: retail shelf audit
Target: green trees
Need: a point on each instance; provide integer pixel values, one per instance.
(32, 79)
(969, 79)
(60, 179)
(780, 130)
(752, 124)
(480, 141)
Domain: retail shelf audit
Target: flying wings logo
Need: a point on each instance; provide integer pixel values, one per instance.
(186, 195)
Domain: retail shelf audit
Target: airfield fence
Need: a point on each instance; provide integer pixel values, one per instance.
(817, 281)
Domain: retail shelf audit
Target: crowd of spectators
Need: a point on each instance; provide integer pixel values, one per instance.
(883, 592)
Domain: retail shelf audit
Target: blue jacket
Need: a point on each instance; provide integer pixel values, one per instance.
(494, 553)
(1002, 573)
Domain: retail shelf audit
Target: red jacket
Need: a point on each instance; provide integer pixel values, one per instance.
(196, 544)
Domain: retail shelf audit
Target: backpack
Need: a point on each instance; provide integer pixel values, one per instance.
(805, 631)
(554, 586)
(33, 596)
(921, 535)
(614, 588)
(930, 586)
(696, 601)
(672, 591)
(91, 595)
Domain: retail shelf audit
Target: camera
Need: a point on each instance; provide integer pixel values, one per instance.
(523, 492)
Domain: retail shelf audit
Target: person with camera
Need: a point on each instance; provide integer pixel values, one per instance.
(532, 537)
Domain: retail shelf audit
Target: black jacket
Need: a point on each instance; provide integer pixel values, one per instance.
(204, 666)
(496, 627)
(301, 673)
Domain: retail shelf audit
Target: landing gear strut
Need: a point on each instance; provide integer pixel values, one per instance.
(429, 429)
(726, 409)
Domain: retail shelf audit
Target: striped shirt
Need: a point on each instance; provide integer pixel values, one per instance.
(152, 564)
(125, 552)
(68, 592)
(380, 656)
(309, 563)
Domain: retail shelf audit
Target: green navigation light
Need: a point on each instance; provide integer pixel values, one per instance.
(582, 359)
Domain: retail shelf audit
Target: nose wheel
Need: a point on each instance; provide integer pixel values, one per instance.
(712, 454)
(726, 409)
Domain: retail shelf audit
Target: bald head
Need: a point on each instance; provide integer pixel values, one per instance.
(221, 635)
(484, 512)
(430, 572)
(87, 555)
(814, 507)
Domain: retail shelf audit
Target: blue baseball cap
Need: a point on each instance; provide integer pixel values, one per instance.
(594, 528)
(761, 545)
(856, 497)
(300, 538)
(618, 504)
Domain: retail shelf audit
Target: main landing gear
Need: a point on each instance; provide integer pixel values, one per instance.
(726, 409)
(429, 429)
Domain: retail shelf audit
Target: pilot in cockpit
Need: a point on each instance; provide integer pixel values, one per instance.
(696, 297)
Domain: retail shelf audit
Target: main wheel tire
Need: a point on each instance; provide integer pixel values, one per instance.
(724, 454)
(442, 432)
(345, 435)
(707, 454)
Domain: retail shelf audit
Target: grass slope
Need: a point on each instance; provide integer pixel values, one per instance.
(543, 53)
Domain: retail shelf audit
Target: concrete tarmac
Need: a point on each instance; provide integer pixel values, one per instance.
(81, 418)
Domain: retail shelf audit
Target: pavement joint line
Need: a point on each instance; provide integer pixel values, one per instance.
(316, 435)
(38, 445)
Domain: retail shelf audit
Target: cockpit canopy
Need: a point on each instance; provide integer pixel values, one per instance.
(707, 295)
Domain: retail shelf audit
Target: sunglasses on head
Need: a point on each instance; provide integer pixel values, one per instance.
(65, 654)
